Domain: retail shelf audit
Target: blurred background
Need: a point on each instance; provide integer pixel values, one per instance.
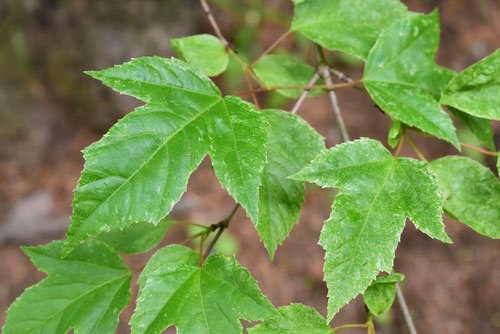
(50, 110)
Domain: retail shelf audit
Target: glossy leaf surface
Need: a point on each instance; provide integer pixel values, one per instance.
(471, 193)
(351, 26)
(176, 291)
(476, 90)
(294, 319)
(140, 168)
(292, 145)
(86, 291)
(378, 193)
(402, 78)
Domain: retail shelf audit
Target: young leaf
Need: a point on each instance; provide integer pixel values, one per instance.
(402, 78)
(284, 70)
(292, 144)
(378, 193)
(136, 238)
(395, 134)
(205, 52)
(212, 298)
(85, 291)
(471, 193)
(351, 26)
(294, 319)
(476, 90)
(380, 295)
(140, 168)
(480, 127)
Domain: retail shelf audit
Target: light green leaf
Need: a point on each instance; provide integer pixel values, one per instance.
(402, 78)
(85, 291)
(379, 296)
(476, 90)
(176, 291)
(395, 134)
(480, 127)
(378, 193)
(285, 70)
(351, 26)
(136, 238)
(471, 193)
(205, 52)
(294, 319)
(140, 168)
(292, 144)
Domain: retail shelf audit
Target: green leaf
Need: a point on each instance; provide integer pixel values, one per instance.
(402, 78)
(136, 238)
(292, 144)
(140, 168)
(351, 26)
(294, 319)
(85, 291)
(285, 70)
(476, 90)
(471, 193)
(380, 295)
(378, 193)
(212, 298)
(205, 52)
(480, 127)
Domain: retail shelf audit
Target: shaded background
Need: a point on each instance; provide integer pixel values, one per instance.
(49, 111)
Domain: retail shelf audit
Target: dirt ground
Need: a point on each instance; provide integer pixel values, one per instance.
(49, 111)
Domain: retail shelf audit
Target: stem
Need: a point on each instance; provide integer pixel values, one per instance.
(350, 326)
(479, 149)
(304, 87)
(400, 146)
(404, 310)
(213, 23)
(304, 93)
(415, 148)
(220, 227)
(271, 47)
(327, 76)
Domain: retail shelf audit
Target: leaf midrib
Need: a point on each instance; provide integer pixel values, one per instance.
(127, 180)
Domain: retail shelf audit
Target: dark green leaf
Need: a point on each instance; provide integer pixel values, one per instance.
(176, 291)
(379, 296)
(294, 319)
(205, 52)
(292, 144)
(136, 238)
(476, 90)
(140, 168)
(471, 193)
(86, 291)
(378, 193)
(402, 78)
(351, 26)
(480, 127)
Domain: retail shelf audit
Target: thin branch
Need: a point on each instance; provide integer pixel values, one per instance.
(220, 227)
(400, 146)
(479, 149)
(340, 75)
(303, 96)
(271, 47)
(350, 326)
(415, 148)
(301, 87)
(327, 76)
(404, 311)
(213, 23)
